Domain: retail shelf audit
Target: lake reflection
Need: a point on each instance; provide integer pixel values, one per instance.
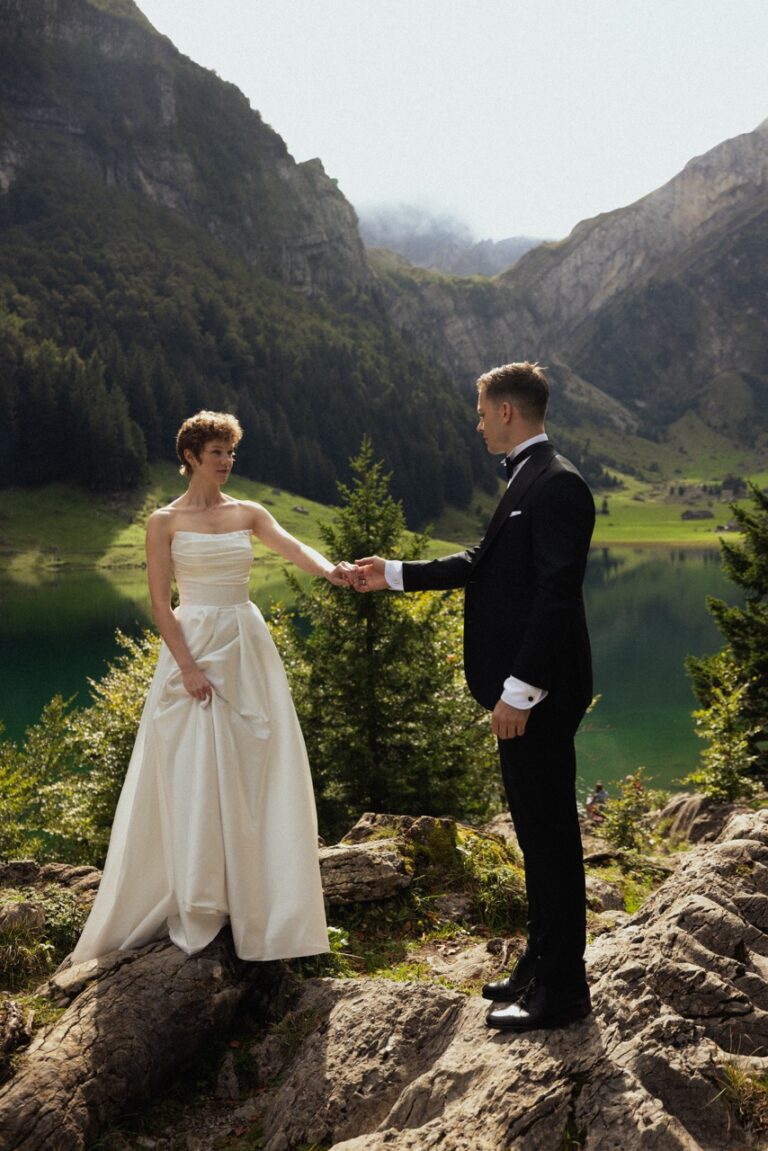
(647, 612)
(646, 606)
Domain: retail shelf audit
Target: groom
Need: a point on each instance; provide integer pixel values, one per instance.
(527, 660)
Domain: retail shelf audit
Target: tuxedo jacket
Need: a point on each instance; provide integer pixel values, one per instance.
(523, 604)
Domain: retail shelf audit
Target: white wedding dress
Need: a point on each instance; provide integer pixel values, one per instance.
(216, 821)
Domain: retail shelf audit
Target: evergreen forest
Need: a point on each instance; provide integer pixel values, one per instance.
(119, 318)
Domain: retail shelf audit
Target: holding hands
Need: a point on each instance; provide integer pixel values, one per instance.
(364, 575)
(343, 575)
(369, 574)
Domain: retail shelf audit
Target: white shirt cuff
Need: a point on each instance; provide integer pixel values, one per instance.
(521, 695)
(393, 574)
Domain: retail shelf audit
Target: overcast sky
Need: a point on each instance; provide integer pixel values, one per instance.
(519, 117)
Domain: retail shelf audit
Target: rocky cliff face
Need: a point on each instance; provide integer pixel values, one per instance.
(569, 281)
(693, 334)
(97, 86)
(654, 306)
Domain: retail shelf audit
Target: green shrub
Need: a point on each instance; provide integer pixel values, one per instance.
(60, 786)
(626, 814)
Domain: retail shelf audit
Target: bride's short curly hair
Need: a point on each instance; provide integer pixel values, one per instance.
(200, 429)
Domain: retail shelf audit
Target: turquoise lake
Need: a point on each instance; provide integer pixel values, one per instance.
(646, 606)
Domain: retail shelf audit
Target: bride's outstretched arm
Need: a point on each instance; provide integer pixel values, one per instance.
(266, 528)
(158, 545)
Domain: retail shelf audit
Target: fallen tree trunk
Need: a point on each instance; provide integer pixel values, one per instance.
(123, 1038)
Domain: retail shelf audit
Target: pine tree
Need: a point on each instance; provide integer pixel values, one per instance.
(378, 682)
(746, 631)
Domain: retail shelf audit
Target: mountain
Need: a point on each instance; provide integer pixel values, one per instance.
(569, 281)
(161, 251)
(648, 315)
(440, 243)
(92, 82)
(691, 335)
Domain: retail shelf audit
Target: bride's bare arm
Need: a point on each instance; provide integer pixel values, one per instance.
(266, 528)
(158, 546)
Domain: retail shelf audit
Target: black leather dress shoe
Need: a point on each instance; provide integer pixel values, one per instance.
(510, 988)
(540, 1007)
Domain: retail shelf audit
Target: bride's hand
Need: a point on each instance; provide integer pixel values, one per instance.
(197, 684)
(342, 575)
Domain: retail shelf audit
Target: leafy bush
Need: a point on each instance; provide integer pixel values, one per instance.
(61, 785)
(626, 813)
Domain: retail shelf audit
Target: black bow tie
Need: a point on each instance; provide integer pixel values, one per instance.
(509, 464)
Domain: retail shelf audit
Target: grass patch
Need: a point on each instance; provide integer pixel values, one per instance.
(43, 1012)
(60, 527)
(652, 513)
(35, 941)
(448, 859)
(494, 877)
(634, 881)
(746, 1095)
(293, 1029)
(24, 956)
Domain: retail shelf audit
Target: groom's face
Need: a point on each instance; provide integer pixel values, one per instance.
(492, 425)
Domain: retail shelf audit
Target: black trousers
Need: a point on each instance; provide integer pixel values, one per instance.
(539, 773)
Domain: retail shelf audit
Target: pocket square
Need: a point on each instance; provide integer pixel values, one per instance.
(517, 512)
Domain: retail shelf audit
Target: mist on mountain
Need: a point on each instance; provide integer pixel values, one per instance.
(440, 242)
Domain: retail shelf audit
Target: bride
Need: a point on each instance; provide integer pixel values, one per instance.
(216, 821)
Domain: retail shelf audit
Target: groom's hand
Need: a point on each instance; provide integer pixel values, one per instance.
(507, 721)
(370, 574)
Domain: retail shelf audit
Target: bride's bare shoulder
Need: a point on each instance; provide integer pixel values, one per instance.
(161, 521)
(252, 511)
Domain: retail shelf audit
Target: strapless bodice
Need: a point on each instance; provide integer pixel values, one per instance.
(212, 569)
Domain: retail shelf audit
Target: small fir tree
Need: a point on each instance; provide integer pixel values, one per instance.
(726, 761)
(378, 683)
(743, 665)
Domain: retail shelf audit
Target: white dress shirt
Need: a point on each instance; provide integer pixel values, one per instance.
(515, 692)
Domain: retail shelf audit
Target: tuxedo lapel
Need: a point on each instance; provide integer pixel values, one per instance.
(535, 465)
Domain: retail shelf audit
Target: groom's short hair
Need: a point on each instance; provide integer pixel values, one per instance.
(523, 384)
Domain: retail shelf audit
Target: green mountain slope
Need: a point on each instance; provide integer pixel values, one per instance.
(161, 252)
(116, 316)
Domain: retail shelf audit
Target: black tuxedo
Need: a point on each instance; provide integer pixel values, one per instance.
(524, 616)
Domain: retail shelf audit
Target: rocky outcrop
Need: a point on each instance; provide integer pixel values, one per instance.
(135, 1017)
(680, 997)
(695, 818)
(680, 1021)
(119, 102)
(355, 873)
